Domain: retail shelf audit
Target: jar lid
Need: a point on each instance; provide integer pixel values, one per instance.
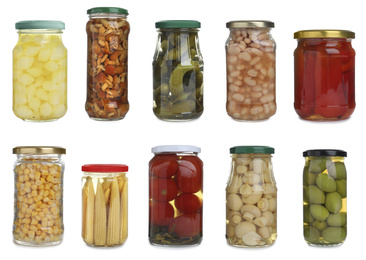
(175, 149)
(39, 150)
(104, 168)
(250, 24)
(40, 24)
(251, 149)
(172, 24)
(325, 152)
(324, 34)
(115, 10)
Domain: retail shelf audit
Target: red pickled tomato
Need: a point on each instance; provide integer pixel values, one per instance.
(186, 225)
(163, 189)
(187, 203)
(164, 166)
(161, 213)
(189, 175)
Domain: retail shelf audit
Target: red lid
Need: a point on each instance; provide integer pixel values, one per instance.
(104, 168)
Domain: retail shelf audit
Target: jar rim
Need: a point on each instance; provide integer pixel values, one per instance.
(250, 24)
(251, 149)
(306, 34)
(104, 168)
(116, 10)
(175, 149)
(39, 150)
(177, 24)
(40, 24)
(325, 152)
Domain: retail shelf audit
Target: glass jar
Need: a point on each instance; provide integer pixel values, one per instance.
(324, 75)
(251, 198)
(104, 204)
(107, 63)
(178, 71)
(175, 195)
(39, 71)
(325, 197)
(38, 200)
(251, 70)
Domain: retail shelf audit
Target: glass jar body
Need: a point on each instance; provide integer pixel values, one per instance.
(178, 75)
(251, 74)
(38, 204)
(104, 209)
(251, 201)
(175, 199)
(39, 75)
(107, 66)
(325, 200)
(324, 79)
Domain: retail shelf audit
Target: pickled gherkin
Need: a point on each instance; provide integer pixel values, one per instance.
(325, 197)
(177, 71)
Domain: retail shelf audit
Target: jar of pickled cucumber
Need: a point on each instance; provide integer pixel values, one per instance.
(251, 198)
(39, 71)
(177, 71)
(325, 197)
(104, 204)
(38, 200)
(107, 63)
(175, 195)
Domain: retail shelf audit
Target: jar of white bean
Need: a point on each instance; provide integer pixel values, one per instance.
(251, 198)
(251, 70)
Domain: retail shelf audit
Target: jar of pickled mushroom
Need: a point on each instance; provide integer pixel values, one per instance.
(39, 71)
(107, 62)
(250, 70)
(325, 197)
(38, 200)
(175, 195)
(251, 198)
(177, 71)
(324, 75)
(104, 204)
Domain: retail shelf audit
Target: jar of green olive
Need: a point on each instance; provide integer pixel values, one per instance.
(325, 197)
(177, 71)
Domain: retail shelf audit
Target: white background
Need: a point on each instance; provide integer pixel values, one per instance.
(130, 140)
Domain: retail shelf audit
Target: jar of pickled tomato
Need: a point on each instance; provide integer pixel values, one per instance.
(175, 196)
(324, 75)
(325, 197)
(39, 71)
(251, 198)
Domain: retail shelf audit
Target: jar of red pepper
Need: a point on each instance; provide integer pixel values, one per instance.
(324, 75)
(175, 195)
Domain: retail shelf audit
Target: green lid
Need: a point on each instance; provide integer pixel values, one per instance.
(251, 149)
(172, 24)
(40, 24)
(116, 10)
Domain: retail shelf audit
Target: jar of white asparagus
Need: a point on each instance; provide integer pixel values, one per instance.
(104, 204)
(38, 218)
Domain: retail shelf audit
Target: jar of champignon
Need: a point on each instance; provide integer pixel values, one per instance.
(251, 198)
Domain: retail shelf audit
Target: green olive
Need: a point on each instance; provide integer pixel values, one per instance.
(319, 212)
(308, 177)
(317, 165)
(326, 183)
(315, 195)
(308, 218)
(320, 225)
(337, 220)
(337, 170)
(333, 202)
(311, 234)
(342, 187)
(334, 234)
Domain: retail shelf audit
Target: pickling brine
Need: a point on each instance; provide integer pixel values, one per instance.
(40, 71)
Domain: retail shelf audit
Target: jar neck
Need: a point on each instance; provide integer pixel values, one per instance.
(251, 155)
(177, 30)
(107, 15)
(178, 153)
(40, 31)
(104, 174)
(39, 157)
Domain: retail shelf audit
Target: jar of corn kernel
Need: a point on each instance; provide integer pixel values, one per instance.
(38, 218)
(251, 70)
(39, 71)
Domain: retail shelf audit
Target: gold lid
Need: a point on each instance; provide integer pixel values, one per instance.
(39, 150)
(324, 34)
(250, 24)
